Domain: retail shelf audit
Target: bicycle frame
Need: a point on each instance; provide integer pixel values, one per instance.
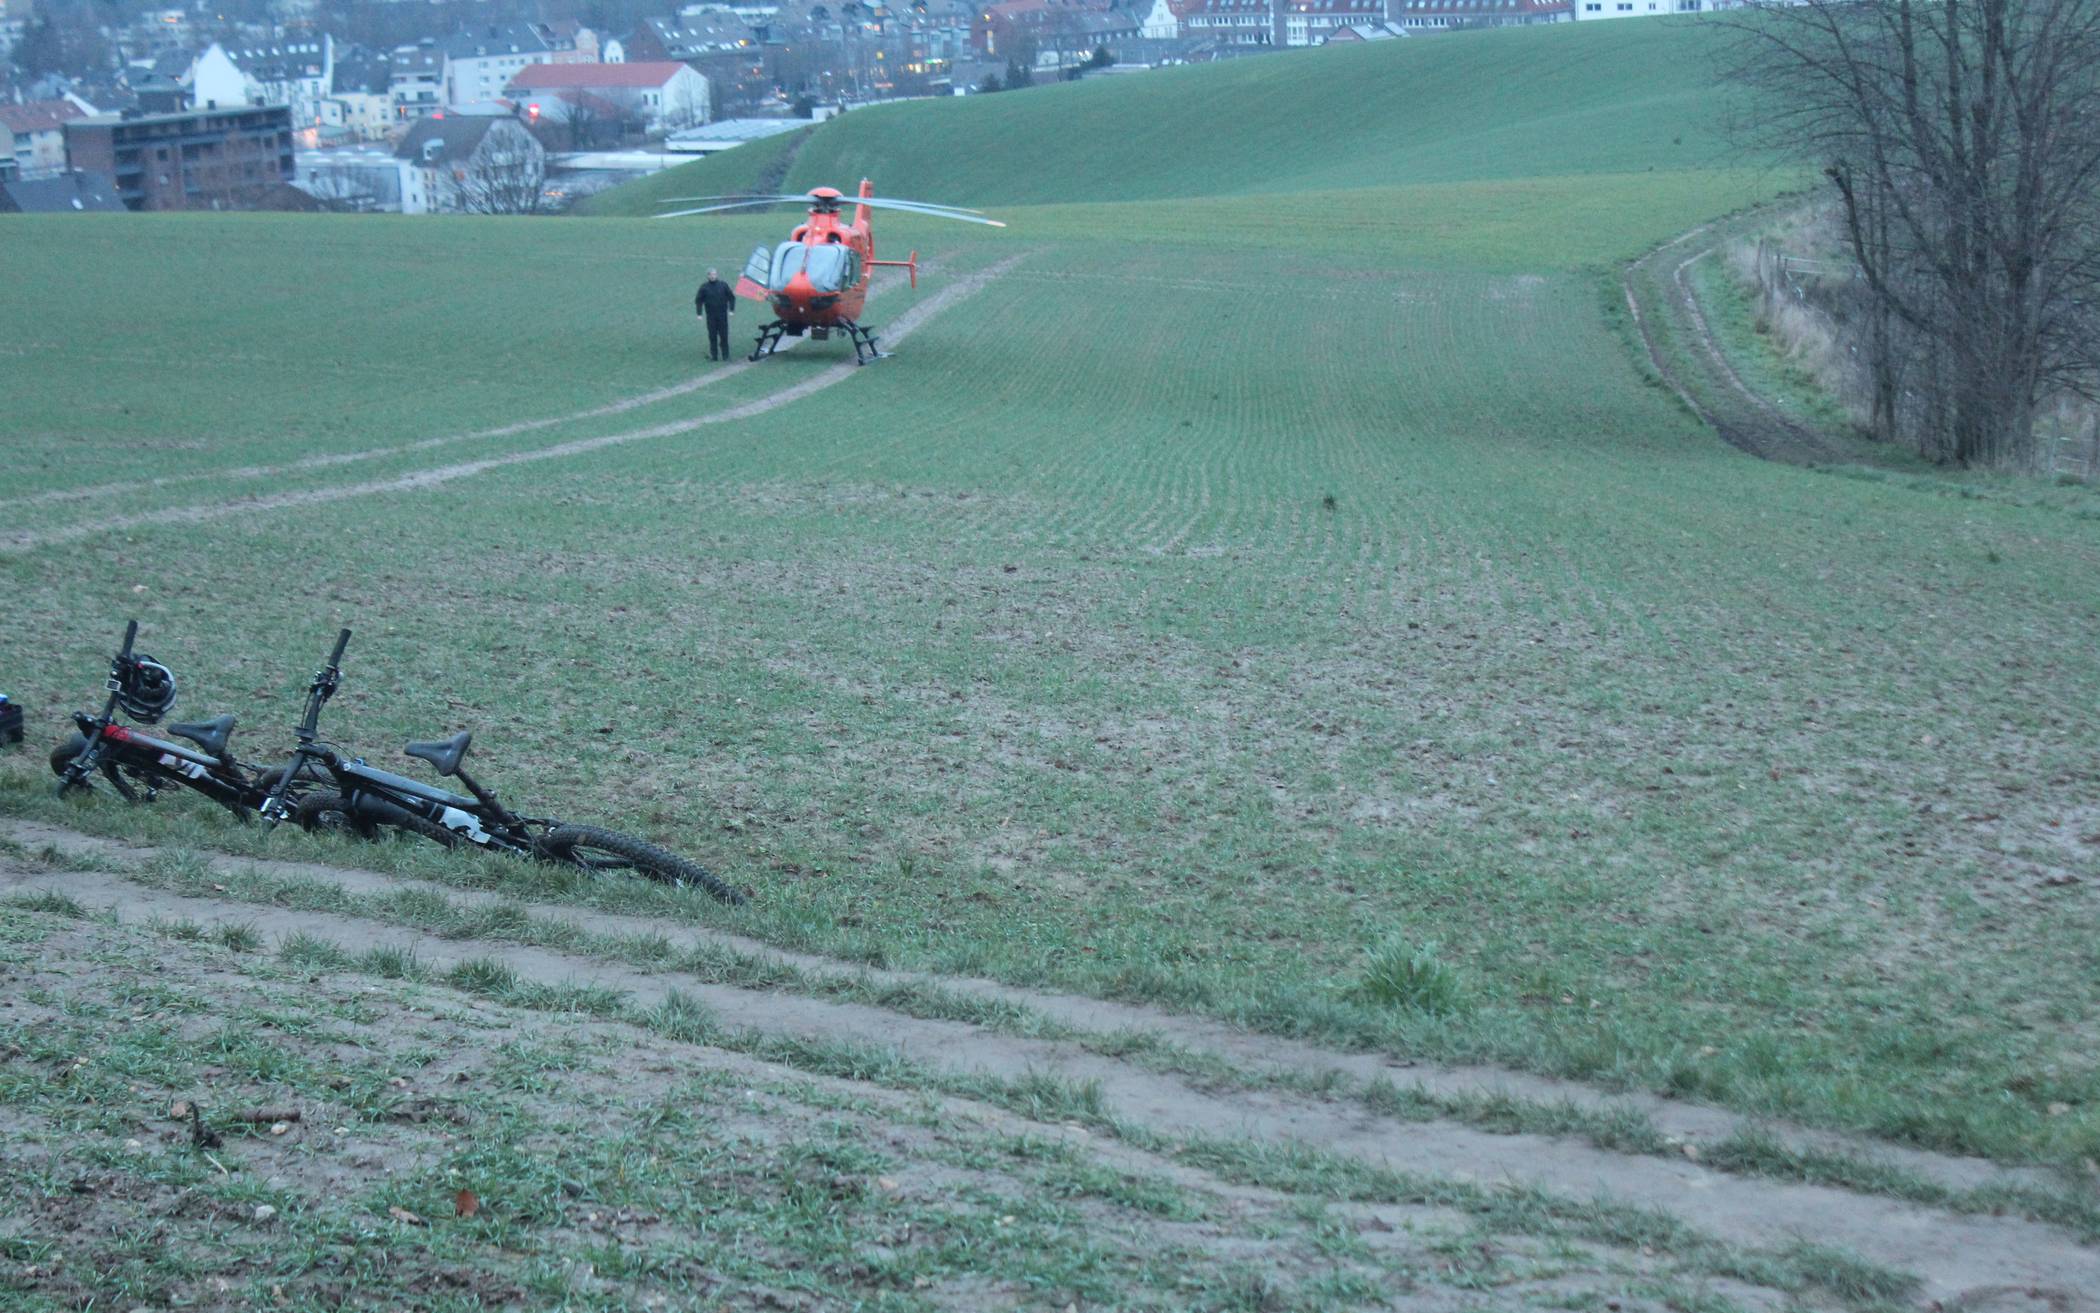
(388, 798)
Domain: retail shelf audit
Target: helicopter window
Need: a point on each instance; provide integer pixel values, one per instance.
(827, 267)
(830, 268)
(760, 266)
(787, 262)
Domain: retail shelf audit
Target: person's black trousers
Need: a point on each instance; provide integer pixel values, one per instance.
(718, 336)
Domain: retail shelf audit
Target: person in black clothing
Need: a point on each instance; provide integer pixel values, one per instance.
(715, 303)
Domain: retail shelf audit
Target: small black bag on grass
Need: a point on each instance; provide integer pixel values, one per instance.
(10, 722)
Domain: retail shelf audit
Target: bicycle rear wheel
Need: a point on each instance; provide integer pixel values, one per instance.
(599, 850)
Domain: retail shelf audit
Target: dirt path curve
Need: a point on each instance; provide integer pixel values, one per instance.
(1744, 418)
(1953, 1255)
(899, 329)
(1692, 1123)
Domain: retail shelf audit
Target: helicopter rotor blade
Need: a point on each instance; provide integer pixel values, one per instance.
(806, 198)
(873, 202)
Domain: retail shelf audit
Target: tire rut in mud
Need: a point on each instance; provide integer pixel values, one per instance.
(1252, 1051)
(1709, 383)
(1952, 1254)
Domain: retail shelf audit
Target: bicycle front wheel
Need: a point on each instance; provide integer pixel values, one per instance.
(599, 850)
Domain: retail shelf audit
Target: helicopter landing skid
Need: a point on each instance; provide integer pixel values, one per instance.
(769, 339)
(863, 342)
(769, 336)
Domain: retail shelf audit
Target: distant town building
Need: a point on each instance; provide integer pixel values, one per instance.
(32, 136)
(1234, 23)
(453, 159)
(416, 79)
(659, 95)
(690, 36)
(480, 63)
(1162, 22)
(1309, 22)
(366, 179)
(1436, 15)
(1591, 10)
(1358, 33)
(727, 134)
(199, 159)
(360, 104)
(298, 75)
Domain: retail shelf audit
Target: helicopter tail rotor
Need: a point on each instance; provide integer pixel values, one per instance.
(911, 264)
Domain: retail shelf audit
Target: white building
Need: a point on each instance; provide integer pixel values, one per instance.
(662, 95)
(361, 179)
(1162, 22)
(33, 136)
(298, 75)
(480, 64)
(448, 157)
(215, 81)
(416, 79)
(1591, 10)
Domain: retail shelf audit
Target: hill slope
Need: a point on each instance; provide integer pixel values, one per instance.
(1616, 98)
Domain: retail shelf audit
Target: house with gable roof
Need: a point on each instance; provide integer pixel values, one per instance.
(32, 136)
(445, 152)
(662, 95)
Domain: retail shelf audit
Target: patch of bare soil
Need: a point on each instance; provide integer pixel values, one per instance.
(1953, 1254)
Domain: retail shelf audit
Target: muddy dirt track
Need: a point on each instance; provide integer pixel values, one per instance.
(1960, 1259)
(1665, 305)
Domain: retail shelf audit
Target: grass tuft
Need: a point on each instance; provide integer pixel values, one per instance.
(483, 975)
(1398, 974)
(56, 904)
(684, 1018)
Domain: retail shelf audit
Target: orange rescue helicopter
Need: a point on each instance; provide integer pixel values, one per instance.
(817, 281)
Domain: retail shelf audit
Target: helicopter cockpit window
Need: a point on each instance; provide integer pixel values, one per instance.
(827, 267)
(830, 268)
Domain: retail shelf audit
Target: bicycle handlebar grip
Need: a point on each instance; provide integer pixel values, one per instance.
(131, 631)
(342, 640)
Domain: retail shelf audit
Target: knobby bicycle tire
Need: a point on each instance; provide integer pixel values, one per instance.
(573, 844)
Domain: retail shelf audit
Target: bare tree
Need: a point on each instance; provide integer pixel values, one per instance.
(344, 187)
(507, 175)
(1961, 139)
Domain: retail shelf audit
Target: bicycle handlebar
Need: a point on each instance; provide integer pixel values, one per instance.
(318, 692)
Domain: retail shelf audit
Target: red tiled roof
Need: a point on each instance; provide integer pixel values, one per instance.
(552, 77)
(38, 115)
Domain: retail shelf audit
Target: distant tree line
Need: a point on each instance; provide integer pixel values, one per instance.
(1961, 142)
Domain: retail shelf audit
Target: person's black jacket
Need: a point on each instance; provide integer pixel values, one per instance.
(715, 297)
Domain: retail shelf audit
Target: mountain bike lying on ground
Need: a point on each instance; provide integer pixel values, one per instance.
(139, 765)
(366, 800)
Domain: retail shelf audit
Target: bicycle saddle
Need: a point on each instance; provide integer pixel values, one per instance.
(444, 753)
(210, 735)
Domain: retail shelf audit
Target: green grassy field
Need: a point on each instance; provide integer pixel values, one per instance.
(1210, 598)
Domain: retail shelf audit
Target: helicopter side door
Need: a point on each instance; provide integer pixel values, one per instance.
(757, 275)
